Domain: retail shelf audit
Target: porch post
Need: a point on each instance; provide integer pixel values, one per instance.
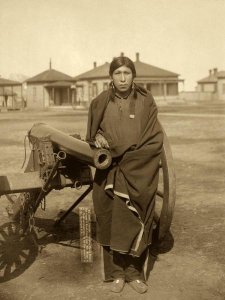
(53, 95)
(3, 95)
(164, 90)
(72, 87)
(89, 92)
(12, 97)
(21, 93)
(68, 95)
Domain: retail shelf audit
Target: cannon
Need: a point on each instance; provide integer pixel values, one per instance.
(57, 161)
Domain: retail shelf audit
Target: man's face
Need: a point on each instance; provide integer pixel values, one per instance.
(122, 79)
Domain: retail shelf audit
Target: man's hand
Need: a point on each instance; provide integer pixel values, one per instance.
(101, 142)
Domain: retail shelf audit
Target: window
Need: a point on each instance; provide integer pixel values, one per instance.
(157, 89)
(172, 89)
(94, 90)
(105, 86)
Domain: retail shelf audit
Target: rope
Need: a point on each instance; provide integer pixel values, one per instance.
(25, 151)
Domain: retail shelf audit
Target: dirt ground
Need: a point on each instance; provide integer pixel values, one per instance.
(188, 265)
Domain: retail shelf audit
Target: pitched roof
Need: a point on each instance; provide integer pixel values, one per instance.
(7, 82)
(146, 70)
(221, 74)
(98, 72)
(212, 78)
(142, 69)
(50, 75)
(208, 79)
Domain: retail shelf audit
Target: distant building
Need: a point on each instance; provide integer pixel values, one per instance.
(213, 84)
(49, 88)
(10, 94)
(163, 84)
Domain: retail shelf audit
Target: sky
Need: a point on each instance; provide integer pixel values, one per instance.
(183, 36)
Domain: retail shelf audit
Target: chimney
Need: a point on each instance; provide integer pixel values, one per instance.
(210, 72)
(50, 64)
(215, 71)
(95, 64)
(122, 54)
(137, 56)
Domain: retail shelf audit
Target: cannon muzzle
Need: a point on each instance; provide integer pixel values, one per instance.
(81, 150)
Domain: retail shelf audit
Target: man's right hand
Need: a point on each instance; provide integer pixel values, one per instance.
(101, 142)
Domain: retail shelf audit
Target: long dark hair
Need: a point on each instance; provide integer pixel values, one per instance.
(120, 61)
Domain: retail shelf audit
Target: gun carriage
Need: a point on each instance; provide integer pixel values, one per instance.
(57, 161)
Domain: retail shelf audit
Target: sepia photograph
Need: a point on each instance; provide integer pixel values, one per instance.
(112, 139)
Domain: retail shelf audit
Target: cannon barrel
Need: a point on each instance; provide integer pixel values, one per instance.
(81, 150)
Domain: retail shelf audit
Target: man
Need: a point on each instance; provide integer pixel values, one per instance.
(124, 120)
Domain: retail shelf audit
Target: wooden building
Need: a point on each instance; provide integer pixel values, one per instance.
(163, 84)
(10, 94)
(49, 88)
(213, 84)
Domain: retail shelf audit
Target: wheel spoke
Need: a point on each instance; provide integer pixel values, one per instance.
(2, 265)
(23, 254)
(4, 235)
(18, 262)
(7, 271)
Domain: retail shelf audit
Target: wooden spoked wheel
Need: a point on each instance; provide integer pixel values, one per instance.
(17, 252)
(24, 203)
(166, 194)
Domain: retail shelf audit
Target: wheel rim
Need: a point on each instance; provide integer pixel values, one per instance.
(167, 192)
